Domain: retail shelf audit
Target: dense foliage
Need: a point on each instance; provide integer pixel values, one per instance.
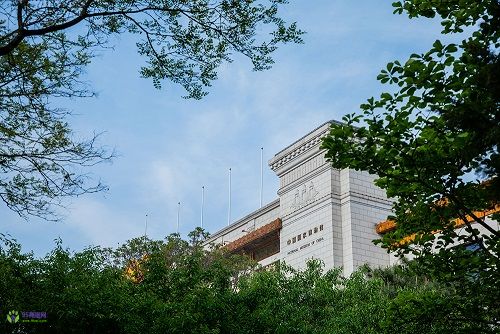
(46, 45)
(186, 289)
(433, 141)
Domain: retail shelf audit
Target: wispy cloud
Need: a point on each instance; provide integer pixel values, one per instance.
(170, 147)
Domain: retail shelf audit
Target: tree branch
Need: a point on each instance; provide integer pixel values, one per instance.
(22, 33)
(20, 5)
(471, 213)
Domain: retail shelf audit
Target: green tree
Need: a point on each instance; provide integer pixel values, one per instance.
(434, 143)
(78, 290)
(45, 45)
(437, 137)
(185, 288)
(311, 300)
(189, 289)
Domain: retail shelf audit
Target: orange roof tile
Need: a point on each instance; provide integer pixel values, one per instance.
(390, 225)
(275, 225)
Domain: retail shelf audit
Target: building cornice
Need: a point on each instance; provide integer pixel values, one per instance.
(300, 146)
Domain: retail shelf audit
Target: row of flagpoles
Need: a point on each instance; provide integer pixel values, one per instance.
(229, 198)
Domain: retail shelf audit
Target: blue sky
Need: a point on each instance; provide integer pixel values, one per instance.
(169, 147)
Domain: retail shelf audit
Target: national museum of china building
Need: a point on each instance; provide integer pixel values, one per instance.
(321, 212)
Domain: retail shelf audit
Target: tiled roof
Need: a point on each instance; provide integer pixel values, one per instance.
(259, 233)
(390, 225)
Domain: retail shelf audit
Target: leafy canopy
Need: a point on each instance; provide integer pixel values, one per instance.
(434, 141)
(188, 289)
(45, 46)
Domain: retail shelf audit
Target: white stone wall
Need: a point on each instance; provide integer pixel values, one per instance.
(363, 206)
(326, 214)
(308, 234)
(306, 204)
(338, 233)
(346, 204)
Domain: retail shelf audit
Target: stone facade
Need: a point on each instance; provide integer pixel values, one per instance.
(325, 213)
(321, 213)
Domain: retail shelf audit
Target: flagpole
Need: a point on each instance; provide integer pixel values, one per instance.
(178, 214)
(261, 174)
(202, 203)
(146, 227)
(229, 207)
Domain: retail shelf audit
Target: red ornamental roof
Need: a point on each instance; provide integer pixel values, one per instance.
(259, 233)
(390, 225)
